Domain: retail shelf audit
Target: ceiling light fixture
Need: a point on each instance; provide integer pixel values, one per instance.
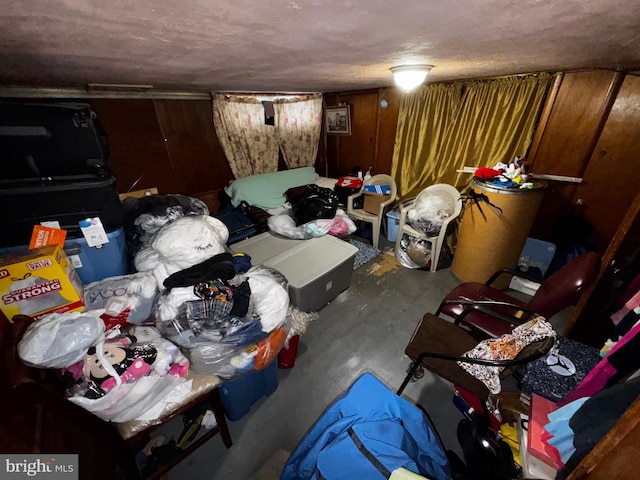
(409, 77)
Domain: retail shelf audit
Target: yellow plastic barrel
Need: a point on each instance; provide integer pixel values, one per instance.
(488, 239)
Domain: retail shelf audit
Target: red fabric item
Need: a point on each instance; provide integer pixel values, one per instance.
(476, 403)
(484, 172)
(287, 356)
(111, 321)
(537, 436)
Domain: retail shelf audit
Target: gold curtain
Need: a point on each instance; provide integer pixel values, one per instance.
(492, 122)
(423, 121)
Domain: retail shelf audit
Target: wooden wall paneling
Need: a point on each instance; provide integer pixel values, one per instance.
(573, 122)
(386, 129)
(541, 126)
(358, 149)
(565, 144)
(321, 165)
(198, 161)
(609, 182)
(589, 322)
(137, 146)
(557, 201)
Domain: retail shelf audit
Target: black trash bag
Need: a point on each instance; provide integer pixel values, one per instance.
(314, 203)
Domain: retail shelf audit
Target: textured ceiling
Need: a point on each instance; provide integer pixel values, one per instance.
(305, 45)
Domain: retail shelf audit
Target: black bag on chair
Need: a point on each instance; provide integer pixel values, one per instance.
(486, 455)
(314, 203)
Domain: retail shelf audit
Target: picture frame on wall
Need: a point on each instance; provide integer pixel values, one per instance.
(338, 120)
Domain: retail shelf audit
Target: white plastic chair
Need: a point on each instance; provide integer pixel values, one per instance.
(376, 219)
(452, 197)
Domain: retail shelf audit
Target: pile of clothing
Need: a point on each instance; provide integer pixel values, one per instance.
(227, 317)
(228, 323)
(191, 307)
(507, 175)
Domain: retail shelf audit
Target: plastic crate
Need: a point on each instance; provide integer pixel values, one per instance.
(535, 259)
(240, 394)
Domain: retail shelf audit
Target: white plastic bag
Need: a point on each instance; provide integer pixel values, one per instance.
(61, 339)
(429, 213)
(271, 299)
(129, 401)
(131, 294)
(339, 226)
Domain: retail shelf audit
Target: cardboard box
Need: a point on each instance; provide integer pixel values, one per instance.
(372, 201)
(39, 282)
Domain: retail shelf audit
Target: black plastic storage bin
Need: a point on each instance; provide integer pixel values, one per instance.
(27, 202)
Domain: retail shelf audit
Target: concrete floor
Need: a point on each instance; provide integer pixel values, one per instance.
(365, 329)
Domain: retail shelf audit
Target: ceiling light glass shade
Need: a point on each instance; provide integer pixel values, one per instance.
(409, 77)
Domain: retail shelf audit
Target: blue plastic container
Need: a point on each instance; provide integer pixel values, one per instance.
(536, 253)
(92, 263)
(393, 220)
(240, 394)
(393, 224)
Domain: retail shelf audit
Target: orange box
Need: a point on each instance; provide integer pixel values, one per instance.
(42, 236)
(39, 282)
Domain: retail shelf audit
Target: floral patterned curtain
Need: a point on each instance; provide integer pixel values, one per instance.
(298, 122)
(251, 147)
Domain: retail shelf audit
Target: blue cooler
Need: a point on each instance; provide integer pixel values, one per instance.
(93, 263)
(240, 394)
